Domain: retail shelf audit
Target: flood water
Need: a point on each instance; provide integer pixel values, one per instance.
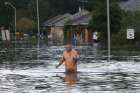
(29, 74)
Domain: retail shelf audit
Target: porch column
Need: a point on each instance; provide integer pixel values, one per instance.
(86, 35)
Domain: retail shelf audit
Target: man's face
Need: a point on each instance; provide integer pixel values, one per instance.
(2, 28)
(68, 47)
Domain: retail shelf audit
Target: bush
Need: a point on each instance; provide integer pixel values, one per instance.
(25, 25)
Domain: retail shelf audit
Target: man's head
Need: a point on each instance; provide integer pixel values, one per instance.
(2, 28)
(68, 47)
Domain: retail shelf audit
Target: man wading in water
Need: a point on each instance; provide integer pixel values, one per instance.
(69, 58)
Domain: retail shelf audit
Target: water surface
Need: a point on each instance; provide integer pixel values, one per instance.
(29, 74)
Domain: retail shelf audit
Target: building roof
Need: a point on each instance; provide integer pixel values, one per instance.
(80, 13)
(80, 18)
(59, 20)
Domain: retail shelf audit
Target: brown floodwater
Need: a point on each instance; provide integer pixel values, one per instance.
(29, 74)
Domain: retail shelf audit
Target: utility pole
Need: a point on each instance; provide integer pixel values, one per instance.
(38, 24)
(108, 29)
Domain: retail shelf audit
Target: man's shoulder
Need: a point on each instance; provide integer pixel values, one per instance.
(74, 51)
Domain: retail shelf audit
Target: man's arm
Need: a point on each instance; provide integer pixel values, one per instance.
(60, 63)
(76, 57)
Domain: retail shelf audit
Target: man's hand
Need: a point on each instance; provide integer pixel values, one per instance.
(61, 62)
(75, 59)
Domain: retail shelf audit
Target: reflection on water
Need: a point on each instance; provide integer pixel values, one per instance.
(95, 75)
(71, 79)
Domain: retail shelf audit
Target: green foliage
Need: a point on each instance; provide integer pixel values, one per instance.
(119, 39)
(131, 19)
(27, 8)
(3, 13)
(7, 13)
(99, 20)
(49, 8)
(25, 25)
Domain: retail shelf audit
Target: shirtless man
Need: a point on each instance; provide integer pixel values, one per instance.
(69, 58)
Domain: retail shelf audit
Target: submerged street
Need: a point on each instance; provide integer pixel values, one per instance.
(70, 46)
(29, 74)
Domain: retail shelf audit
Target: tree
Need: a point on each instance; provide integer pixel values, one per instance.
(7, 13)
(25, 25)
(3, 13)
(51, 8)
(131, 20)
(99, 20)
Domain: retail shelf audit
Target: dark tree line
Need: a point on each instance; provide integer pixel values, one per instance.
(49, 8)
(27, 8)
(99, 19)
